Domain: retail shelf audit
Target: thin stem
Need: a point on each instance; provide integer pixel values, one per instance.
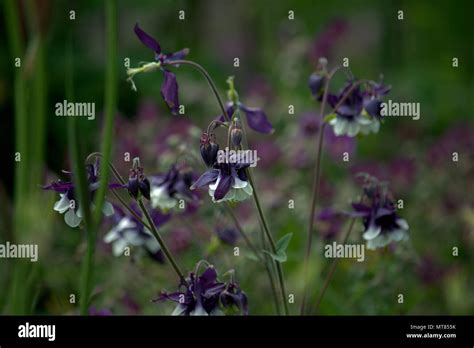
(255, 251)
(333, 268)
(315, 190)
(156, 234)
(281, 280)
(208, 77)
(241, 231)
(125, 205)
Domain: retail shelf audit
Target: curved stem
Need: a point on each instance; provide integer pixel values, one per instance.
(209, 80)
(160, 240)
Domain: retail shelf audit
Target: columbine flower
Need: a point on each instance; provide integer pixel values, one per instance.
(360, 111)
(382, 225)
(137, 181)
(226, 182)
(68, 205)
(256, 117)
(169, 188)
(205, 295)
(128, 231)
(169, 88)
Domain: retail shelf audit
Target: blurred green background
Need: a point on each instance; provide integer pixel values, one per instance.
(276, 55)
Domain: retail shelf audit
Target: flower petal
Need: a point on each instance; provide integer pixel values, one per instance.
(147, 40)
(71, 219)
(257, 120)
(169, 91)
(177, 55)
(206, 178)
(223, 187)
(372, 232)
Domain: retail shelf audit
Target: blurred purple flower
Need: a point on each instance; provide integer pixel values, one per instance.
(309, 124)
(337, 145)
(330, 222)
(268, 153)
(228, 235)
(93, 311)
(128, 231)
(327, 39)
(430, 271)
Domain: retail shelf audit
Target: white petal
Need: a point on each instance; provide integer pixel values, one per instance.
(340, 127)
(239, 183)
(118, 247)
(72, 219)
(352, 129)
(372, 232)
(108, 209)
(403, 224)
(159, 198)
(198, 310)
(152, 245)
(111, 236)
(180, 309)
(62, 205)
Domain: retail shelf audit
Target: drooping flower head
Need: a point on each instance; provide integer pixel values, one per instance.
(357, 108)
(130, 232)
(138, 183)
(382, 225)
(204, 294)
(69, 205)
(169, 88)
(256, 117)
(169, 188)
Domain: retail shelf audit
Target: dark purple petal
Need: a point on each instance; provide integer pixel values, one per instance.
(229, 108)
(159, 219)
(257, 120)
(223, 187)
(144, 187)
(209, 276)
(59, 186)
(315, 83)
(214, 290)
(373, 107)
(169, 91)
(133, 187)
(147, 40)
(205, 179)
(177, 55)
(360, 209)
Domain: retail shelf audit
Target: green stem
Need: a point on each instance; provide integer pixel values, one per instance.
(110, 103)
(332, 269)
(162, 243)
(209, 80)
(269, 236)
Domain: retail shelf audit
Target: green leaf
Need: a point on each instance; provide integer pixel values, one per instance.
(282, 244)
(280, 256)
(329, 117)
(252, 257)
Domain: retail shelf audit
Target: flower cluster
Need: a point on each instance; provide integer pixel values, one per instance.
(205, 295)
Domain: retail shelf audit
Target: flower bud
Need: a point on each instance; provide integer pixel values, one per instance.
(137, 181)
(208, 149)
(315, 83)
(236, 133)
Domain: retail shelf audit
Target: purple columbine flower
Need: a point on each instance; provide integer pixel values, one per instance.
(359, 112)
(226, 182)
(169, 88)
(129, 232)
(68, 205)
(256, 117)
(382, 225)
(169, 188)
(205, 295)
